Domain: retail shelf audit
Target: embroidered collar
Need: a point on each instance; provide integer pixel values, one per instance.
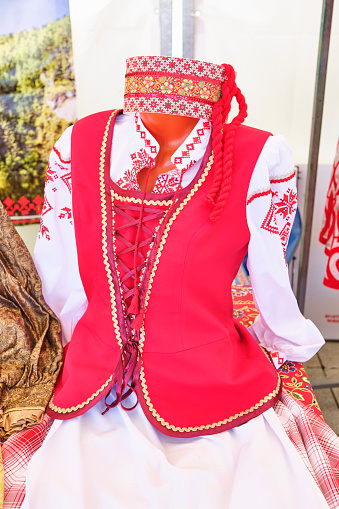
(190, 152)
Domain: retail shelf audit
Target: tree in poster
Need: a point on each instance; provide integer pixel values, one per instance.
(37, 103)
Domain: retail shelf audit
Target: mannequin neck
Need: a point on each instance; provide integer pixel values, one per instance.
(170, 131)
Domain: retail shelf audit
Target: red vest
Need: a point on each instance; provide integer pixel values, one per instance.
(201, 372)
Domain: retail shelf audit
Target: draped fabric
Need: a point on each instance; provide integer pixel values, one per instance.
(1, 482)
(316, 443)
(30, 337)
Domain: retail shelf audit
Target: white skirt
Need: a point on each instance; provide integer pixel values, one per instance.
(119, 461)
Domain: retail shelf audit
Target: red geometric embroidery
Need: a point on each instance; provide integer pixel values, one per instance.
(46, 208)
(67, 213)
(275, 355)
(142, 160)
(145, 158)
(153, 148)
(67, 180)
(23, 207)
(59, 156)
(44, 231)
(284, 235)
(270, 222)
(286, 206)
(51, 175)
(128, 180)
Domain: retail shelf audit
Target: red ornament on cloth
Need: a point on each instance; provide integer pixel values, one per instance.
(177, 86)
(329, 234)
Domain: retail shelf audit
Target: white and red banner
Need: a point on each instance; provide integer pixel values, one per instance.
(329, 234)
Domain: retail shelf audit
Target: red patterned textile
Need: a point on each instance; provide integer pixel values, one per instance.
(292, 374)
(23, 207)
(329, 234)
(16, 454)
(315, 442)
(51, 177)
(189, 87)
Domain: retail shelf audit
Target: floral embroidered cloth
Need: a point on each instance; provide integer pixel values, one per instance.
(293, 374)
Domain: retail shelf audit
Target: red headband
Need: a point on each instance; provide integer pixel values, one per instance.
(177, 86)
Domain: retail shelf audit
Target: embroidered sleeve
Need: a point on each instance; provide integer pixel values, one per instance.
(55, 253)
(271, 205)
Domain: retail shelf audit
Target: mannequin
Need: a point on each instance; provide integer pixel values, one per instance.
(170, 131)
(155, 309)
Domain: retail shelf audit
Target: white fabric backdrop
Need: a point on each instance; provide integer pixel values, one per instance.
(273, 47)
(105, 33)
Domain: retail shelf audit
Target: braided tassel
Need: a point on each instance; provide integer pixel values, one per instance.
(222, 143)
(137, 322)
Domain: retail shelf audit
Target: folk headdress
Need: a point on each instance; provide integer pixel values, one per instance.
(192, 88)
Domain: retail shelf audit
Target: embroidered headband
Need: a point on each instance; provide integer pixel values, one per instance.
(176, 86)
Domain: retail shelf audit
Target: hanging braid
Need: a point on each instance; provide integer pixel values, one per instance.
(222, 142)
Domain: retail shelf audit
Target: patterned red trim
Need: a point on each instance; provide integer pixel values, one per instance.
(59, 156)
(174, 106)
(23, 206)
(153, 149)
(285, 179)
(174, 65)
(171, 85)
(174, 75)
(258, 195)
(175, 97)
(270, 221)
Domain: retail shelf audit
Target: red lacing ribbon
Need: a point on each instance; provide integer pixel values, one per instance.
(128, 368)
(129, 364)
(138, 308)
(125, 210)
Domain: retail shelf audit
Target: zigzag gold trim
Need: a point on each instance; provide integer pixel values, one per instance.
(81, 405)
(104, 227)
(166, 424)
(107, 268)
(163, 203)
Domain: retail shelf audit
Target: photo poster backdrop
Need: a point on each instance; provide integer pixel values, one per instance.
(37, 98)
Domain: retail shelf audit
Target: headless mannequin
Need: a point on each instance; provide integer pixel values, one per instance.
(170, 131)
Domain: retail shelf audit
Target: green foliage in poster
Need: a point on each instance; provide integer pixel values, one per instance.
(36, 86)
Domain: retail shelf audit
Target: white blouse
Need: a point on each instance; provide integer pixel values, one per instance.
(271, 204)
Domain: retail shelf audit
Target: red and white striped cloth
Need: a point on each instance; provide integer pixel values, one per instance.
(17, 451)
(316, 443)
